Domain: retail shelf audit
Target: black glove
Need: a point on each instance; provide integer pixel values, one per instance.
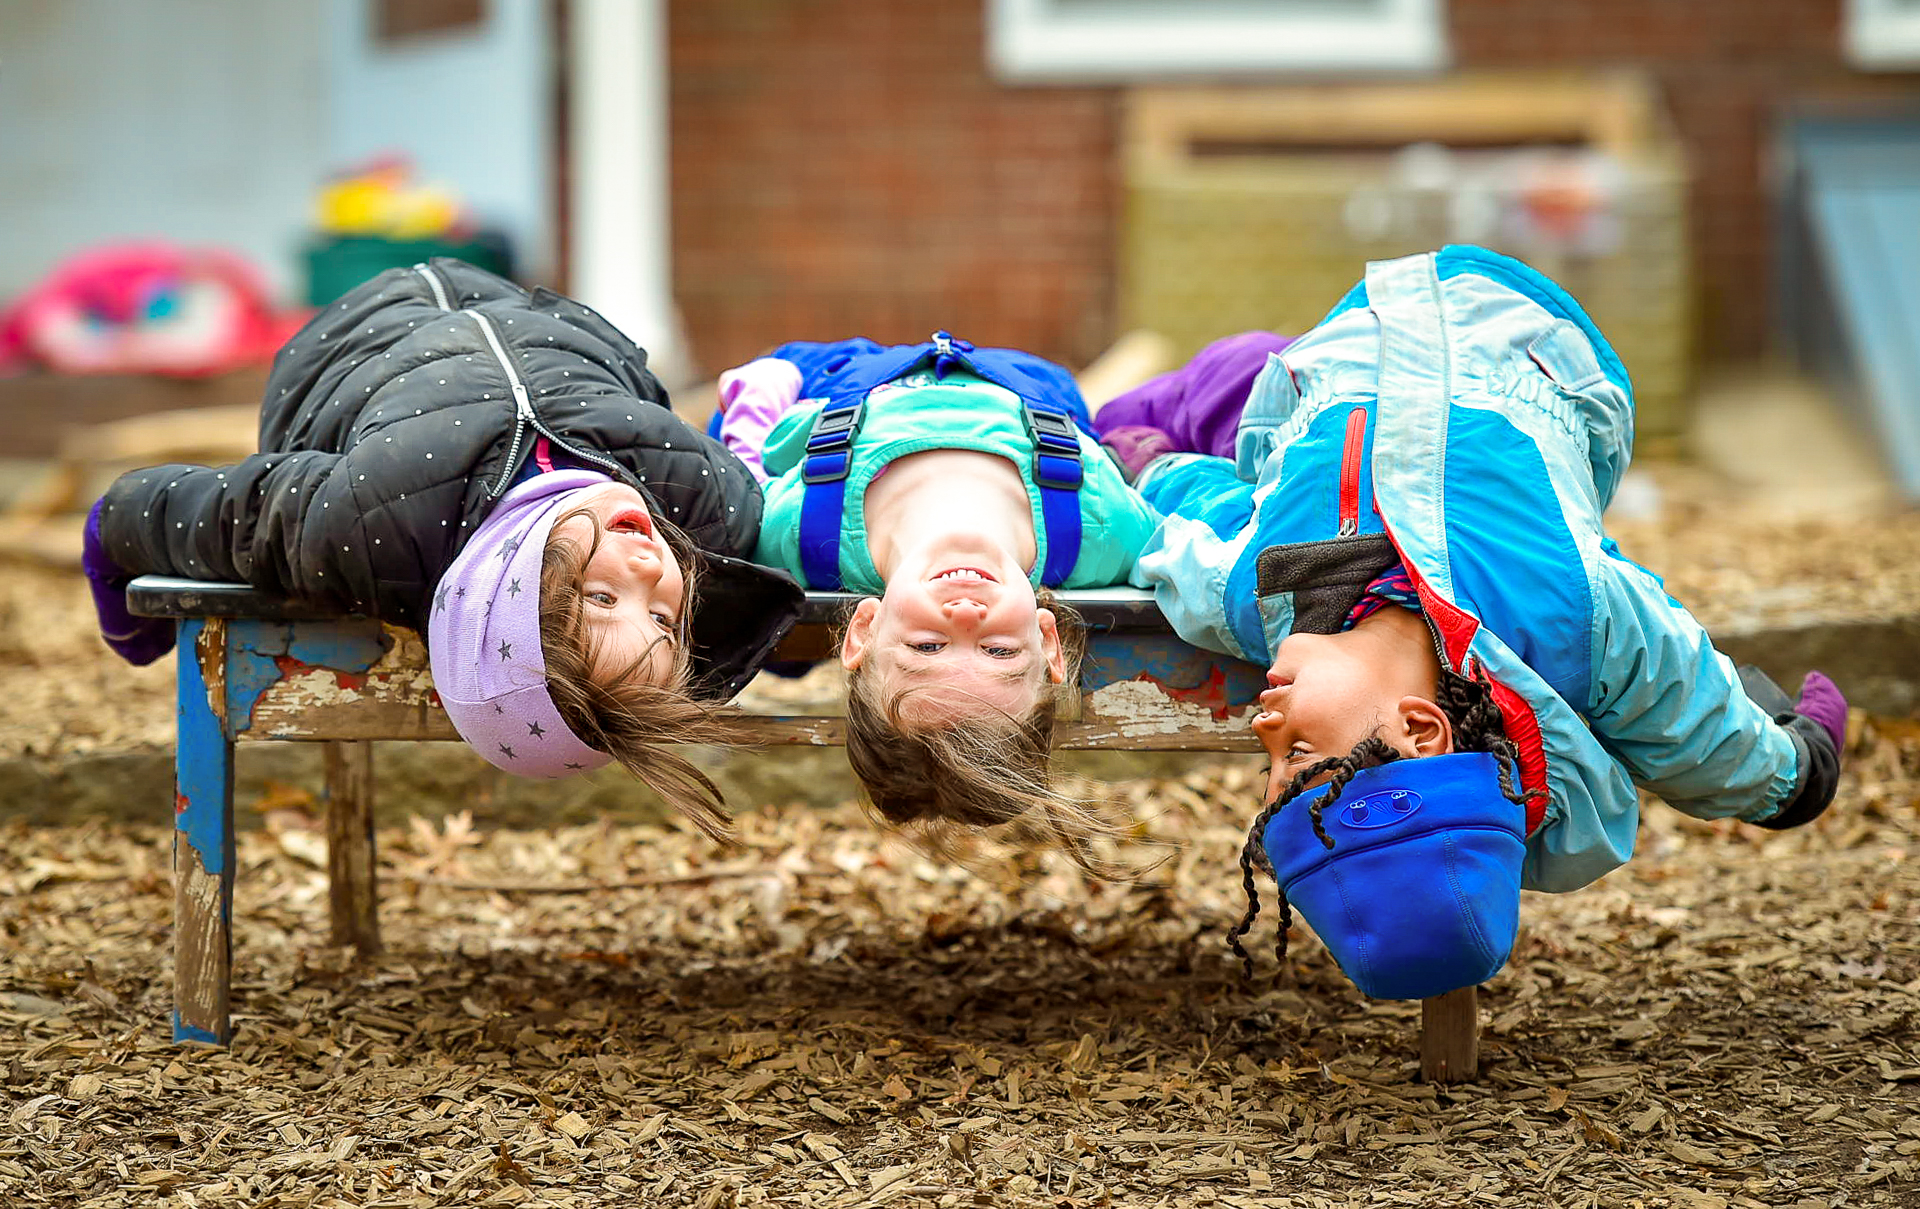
(1816, 723)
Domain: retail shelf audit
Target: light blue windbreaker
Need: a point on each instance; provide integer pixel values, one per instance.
(1457, 411)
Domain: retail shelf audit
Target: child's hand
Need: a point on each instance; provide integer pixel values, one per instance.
(138, 640)
(1819, 722)
(1134, 445)
(1820, 700)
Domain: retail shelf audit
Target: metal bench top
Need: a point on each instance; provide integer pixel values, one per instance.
(1107, 609)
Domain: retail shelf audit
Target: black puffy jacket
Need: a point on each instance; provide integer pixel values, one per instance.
(397, 417)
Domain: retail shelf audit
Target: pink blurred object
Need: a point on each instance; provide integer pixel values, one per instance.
(144, 307)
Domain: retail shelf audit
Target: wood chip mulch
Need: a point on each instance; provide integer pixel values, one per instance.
(826, 1018)
(823, 1017)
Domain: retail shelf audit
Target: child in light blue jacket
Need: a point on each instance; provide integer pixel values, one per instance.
(1409, 535)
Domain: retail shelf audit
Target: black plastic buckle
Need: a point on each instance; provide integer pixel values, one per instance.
(835, 419)
(833, 431)
(1053, 430)
(1054, 435)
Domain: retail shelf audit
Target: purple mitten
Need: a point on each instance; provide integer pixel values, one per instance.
(138, 640)
(1137, 444)
(1821, 701)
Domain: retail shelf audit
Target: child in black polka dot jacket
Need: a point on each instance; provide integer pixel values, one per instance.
(498, 469)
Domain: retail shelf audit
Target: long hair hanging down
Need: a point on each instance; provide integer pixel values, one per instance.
(634, 722)
(1468, 705)
(978, 772)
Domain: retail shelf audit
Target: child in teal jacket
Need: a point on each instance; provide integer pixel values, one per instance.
(1409, 536)
(949, 487)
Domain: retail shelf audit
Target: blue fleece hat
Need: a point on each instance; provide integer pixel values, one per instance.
(1420, 893)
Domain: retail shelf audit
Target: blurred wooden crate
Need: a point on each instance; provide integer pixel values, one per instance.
(1258, 208)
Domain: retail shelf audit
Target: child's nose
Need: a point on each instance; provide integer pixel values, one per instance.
(964, 612)
(642, 563)
(1296, 641)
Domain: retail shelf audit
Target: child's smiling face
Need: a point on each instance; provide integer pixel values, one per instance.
(974, 636)
(632, 590)
(1327, 692)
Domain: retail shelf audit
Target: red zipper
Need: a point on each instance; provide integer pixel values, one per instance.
(1350, 472)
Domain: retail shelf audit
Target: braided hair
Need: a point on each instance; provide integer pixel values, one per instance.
(1468, 705)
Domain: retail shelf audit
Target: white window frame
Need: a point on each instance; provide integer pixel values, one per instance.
(1882, 34)
(1032, 40)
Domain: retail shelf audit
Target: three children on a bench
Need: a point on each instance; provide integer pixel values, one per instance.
(1408, 533)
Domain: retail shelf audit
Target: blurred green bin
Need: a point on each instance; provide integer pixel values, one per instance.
(336, 265)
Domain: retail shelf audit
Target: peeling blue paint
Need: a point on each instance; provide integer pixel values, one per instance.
(1166, 660)
(182, 1031)
(257, 647)
(202, 762)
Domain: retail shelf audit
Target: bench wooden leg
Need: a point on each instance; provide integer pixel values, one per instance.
(1450, 1036)
(352, 891)
(203, 856)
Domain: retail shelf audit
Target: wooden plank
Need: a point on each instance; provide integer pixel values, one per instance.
(370, 720)
(357, 681)
(1450, 1036)
(352, 891)
(203, 848)
(1614, 111)
(1084, 735)
(1132, 715)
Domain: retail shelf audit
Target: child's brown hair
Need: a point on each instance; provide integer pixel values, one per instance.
(620, 714)
(976, 772)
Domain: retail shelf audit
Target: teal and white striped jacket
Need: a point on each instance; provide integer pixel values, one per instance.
(1458, 412)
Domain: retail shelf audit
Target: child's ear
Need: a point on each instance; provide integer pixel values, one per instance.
(1050, 646)
(853, 648)
(1427, 726)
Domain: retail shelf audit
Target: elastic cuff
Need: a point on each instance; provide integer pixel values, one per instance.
(1819, 777)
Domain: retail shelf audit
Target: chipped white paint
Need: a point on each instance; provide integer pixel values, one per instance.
(210, 648)
(395, 701)
(314, 704)
(1140, 708)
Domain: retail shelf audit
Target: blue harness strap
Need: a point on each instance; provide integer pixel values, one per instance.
(1057, 467)
(824, 471)
(1058, 473)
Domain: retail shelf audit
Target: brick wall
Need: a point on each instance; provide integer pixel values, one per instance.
(848, 166)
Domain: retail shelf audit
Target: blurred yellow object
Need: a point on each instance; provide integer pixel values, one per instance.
(383, 200)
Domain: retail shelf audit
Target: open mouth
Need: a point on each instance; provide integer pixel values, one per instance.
(965, 574)
(631, 520)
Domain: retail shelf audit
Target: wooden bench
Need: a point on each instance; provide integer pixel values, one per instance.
(253, 667)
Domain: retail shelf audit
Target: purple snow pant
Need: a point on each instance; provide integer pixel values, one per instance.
(1193, 409)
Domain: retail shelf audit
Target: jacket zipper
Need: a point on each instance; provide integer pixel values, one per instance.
(522, 405)
(433, 283)
(1350, 472)
(525, 417)
(523, 413)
